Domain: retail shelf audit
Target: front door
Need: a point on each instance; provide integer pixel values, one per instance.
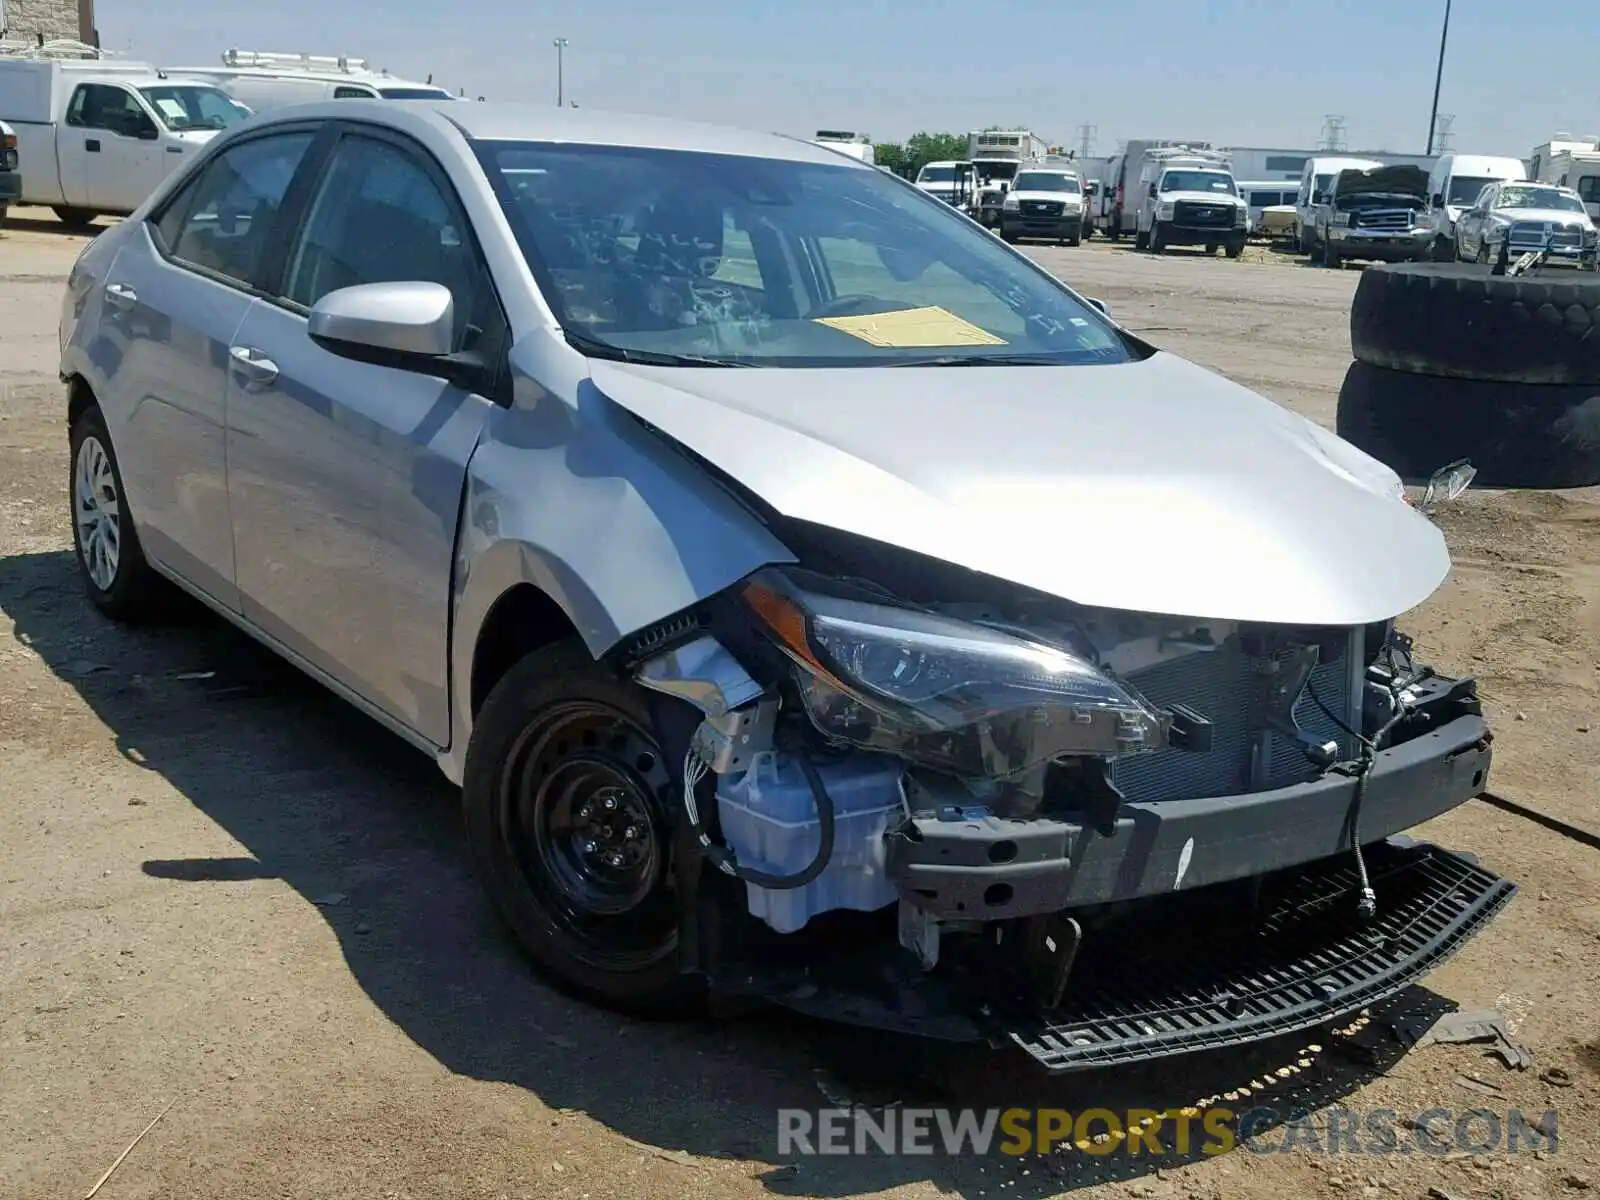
(121, 147)
(175, 298)
(345, 479)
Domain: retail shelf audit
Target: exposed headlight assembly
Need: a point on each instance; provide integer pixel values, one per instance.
(1164, 211)
(964, 698)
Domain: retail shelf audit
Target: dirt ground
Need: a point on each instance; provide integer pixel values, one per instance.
(227, 898)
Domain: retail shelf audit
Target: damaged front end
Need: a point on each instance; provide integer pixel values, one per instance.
(1104, 836)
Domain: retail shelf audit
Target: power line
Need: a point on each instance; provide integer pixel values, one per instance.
(1333, 132)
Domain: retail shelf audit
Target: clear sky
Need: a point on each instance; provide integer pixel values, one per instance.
(1239, 72)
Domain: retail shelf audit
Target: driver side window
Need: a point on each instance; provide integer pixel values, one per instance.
(379, 216)
(102, 106)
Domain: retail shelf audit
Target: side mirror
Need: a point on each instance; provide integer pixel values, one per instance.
(147, 132)
(1098, 304)
(1154, 191)
(1438, 199)
(1446, 484)
(409, 326)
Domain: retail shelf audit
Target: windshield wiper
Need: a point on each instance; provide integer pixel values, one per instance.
(987, 360)
(595, 348)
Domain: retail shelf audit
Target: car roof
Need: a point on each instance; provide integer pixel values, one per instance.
(500, 121)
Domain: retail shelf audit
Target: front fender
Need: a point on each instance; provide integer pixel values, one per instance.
(603, 516)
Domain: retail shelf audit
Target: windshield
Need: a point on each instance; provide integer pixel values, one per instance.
(194, 106)
(936, 175)
(686, 258)
(1464, 190)
(1046, 181)
(1538, 197)
(414, 93)
(1197, 181)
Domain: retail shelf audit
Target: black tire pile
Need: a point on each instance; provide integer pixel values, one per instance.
(1453, 362)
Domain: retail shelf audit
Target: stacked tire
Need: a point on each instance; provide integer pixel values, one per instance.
(1453, 362)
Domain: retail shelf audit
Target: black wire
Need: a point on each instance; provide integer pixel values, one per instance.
(723, 857)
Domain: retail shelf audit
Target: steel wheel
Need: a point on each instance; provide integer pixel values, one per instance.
(569, 804)
(581, 815)
(97, 512)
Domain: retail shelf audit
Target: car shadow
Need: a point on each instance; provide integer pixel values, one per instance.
(47, 222)
(364, 827)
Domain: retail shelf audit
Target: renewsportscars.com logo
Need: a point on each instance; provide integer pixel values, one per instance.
(1181, 1132)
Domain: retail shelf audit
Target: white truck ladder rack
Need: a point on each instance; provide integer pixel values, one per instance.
(321, 63)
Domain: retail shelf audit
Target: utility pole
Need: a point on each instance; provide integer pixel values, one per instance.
(1438, 78)
(1443, 123)
(561, 46)
(1333, 133)
(1086, 134)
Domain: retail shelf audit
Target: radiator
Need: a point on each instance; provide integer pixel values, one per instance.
(1220, 685)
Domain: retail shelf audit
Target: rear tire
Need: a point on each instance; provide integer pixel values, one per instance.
(111, 562)
(1234, 249)
(77, 219)
(570, 806)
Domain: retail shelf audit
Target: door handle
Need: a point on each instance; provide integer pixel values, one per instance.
(253, 365)
(92, 145)
(121, 295)
(174, 149)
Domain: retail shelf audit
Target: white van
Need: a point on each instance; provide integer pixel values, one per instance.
(265, 80)
(1311, 198)
(1453, 187)
(97, 135)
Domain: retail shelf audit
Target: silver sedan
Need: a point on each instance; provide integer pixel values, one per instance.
(685, 492)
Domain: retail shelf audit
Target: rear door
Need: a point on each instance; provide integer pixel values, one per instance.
(344, 478)
(174, 298)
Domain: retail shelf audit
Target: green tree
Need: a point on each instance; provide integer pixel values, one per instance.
(891, 155)
(923, 148)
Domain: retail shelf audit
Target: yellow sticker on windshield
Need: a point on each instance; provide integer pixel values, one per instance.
(912, 327)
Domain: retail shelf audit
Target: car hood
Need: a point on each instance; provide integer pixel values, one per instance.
(1151, 486)
(1556, 216)
(1397, 181)
(1201, 198)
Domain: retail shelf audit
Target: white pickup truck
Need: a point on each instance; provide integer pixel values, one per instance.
(96, 136)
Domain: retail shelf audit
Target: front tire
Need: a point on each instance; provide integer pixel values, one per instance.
(111, 561)
(569, 804)
(1158, 240)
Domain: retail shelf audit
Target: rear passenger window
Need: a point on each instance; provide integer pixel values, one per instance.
(379, 217)
(222, 219)
(1589, 189)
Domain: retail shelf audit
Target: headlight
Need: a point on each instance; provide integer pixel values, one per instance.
(1341, 218)
(1241, 215)
(1010, 203)
(1164, 212)
(1591, 236)
(964, 698)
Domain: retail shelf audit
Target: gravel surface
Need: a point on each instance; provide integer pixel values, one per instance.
(223, 890)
